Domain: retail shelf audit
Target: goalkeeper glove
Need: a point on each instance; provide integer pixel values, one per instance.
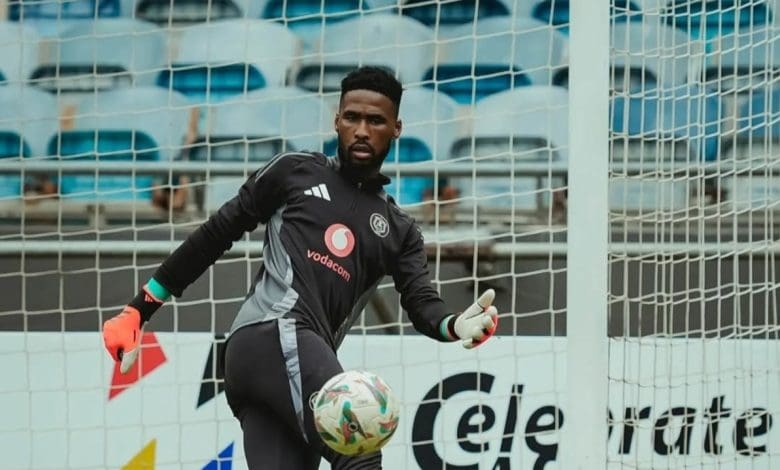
(122, 333)
(477, 323)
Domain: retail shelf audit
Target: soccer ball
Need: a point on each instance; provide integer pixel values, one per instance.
(355, 413)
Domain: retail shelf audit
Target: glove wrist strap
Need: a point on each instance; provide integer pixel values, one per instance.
(447, 328)
(146, 304)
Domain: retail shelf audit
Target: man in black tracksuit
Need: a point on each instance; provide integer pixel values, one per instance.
(332, 234)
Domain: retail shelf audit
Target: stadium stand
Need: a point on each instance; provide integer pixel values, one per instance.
(134, 124)
(757, 140)
(741, 61)
(430, 126)
(307, 17)
(256, 126)
(182, 12)
(19, 46)
(556, 12)
(708, 19)
(446, 14)
(662, 127)
(398, 43)
(494, 55)
(528, 124)
(648, 53)
(28, 119)
(51, 18)
(104, 54)
(220, 59)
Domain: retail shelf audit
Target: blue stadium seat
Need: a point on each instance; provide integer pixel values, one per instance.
(180, 12)
(397, 43)
(662, 127)
(741, 62)
(444, 14)
(256, 126)
(225, 58)
(19, 52)
(478, 60)
(104, 54)
(757, 140)
(706, 19)
(134, 124)
(50, 18)
(648, 53)
(25, 10)
(28, 118)
(556, 12)
(528, 124)
(307, 17)
(429, 128)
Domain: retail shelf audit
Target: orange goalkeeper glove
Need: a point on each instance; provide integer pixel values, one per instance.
(122, 333)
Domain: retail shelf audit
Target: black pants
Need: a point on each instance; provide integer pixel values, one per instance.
(271, 370)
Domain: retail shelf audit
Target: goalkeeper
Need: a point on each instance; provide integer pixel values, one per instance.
(331, 235)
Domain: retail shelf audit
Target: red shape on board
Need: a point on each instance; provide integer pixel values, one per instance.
(150, 358)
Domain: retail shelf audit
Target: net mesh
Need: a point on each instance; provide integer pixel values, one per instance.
(124, 124)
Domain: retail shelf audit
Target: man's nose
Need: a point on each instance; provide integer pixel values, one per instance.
(362, 129)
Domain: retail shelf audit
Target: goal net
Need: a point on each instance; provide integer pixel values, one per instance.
(125, 124)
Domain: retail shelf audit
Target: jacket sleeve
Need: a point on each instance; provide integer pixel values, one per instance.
(418, 297)
(257, 200)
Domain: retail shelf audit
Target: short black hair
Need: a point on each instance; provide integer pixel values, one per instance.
(374, 79)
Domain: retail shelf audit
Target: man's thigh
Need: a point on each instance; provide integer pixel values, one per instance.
(270, 445)
(318, 363)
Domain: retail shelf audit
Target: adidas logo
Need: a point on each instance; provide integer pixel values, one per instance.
(320, 191)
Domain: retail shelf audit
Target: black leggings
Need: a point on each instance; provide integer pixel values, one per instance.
(271, 370)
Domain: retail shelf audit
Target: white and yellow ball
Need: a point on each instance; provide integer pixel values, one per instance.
(356, 413)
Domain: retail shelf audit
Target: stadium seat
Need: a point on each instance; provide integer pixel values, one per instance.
(659, 128)
(256, 126)
(739, 65)
(134, 124)
(707, 19)
(19, 52)
(104, 54)
(401, 45)
(648, 53)
(528, 124)
(307, 17)
(445, 14)
(757, 140)
(478, 60)
(182, 12)
(556, 12)
(28, 118)
(51, 18)
(429, 128)
(740, 62)
(224, 58)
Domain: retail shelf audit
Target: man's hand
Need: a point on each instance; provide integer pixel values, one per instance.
(478, 322)
(122, 337)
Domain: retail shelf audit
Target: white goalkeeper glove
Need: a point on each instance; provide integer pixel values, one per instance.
(477, 323)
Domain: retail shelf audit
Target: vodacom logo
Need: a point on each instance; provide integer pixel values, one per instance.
(340, 240)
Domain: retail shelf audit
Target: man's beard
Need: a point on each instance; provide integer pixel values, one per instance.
(360, 169)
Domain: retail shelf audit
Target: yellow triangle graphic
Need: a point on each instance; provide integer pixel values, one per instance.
(143, 460)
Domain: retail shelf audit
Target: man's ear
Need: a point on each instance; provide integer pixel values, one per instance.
(336, 122)
(398, 127)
